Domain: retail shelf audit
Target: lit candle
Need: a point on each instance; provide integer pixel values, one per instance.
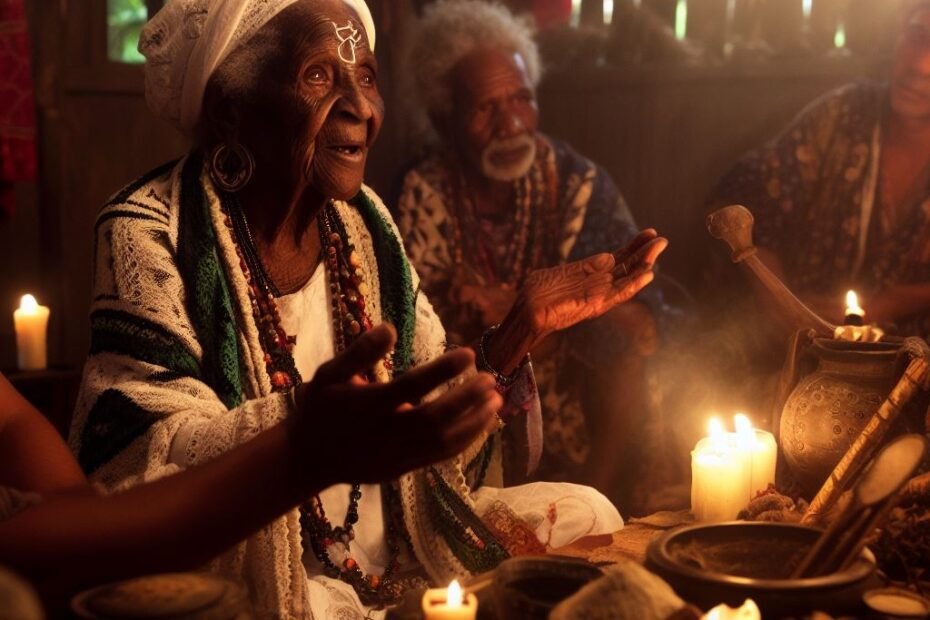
(855, 315)
(449, 603)
(760, 450)
(747, 611)
(727, 469)
(720, 476)
(806, 8)
(31, 322)
(854, 328)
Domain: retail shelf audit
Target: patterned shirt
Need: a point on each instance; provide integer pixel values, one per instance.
(815, 195)
(576, 211)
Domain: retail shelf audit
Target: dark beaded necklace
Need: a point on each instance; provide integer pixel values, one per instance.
(350, 319)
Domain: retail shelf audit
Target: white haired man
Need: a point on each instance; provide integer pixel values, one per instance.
(497, 199)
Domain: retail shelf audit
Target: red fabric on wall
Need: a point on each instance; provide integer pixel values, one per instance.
(18, 160)
(551, 13)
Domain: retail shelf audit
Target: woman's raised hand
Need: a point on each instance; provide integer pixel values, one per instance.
(559, 297)
(370, 432)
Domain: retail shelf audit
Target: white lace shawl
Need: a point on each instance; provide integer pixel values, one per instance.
(136, 272)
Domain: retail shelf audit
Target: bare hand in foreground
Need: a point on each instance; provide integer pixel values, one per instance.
(371, 432)
(562, 296)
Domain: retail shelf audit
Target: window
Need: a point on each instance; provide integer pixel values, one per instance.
(125, 19)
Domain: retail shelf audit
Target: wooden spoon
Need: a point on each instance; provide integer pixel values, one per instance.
(873, 496)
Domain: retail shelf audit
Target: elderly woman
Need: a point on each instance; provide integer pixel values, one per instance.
(227, 279)
(841, 198)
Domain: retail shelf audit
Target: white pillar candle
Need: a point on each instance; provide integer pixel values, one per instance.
(764, 457)
(720, 476)
(449, 604)
(760, 451)
(728, 469)
(31, 323)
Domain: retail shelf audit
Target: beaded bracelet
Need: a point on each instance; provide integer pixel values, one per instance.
(481, 361)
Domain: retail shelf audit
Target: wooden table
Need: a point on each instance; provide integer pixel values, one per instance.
(630, 543)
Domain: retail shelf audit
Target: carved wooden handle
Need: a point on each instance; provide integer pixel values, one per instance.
(733, 224)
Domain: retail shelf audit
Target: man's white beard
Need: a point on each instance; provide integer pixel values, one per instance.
(510, 172)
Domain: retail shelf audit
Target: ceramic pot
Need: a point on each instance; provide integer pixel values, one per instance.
(830, 404)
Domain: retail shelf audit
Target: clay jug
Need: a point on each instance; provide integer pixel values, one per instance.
(839, 386)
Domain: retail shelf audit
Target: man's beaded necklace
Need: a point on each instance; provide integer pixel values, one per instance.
(348, 290)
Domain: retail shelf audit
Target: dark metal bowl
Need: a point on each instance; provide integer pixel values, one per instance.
(709, 564)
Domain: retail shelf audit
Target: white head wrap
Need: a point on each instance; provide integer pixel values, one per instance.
(188, 39)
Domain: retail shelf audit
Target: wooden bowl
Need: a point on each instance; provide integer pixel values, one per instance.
(709, 564)
(529, 587)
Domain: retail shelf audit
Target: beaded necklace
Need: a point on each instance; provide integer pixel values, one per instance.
(350, 319)
(531, 227)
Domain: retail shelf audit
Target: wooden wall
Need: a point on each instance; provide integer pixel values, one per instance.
(667, 135)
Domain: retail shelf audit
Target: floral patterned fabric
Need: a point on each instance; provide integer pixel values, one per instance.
(576, 211)
(815, 194)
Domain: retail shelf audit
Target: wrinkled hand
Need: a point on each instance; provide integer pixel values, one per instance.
(372, 432)
(492, 302)
(559, 297)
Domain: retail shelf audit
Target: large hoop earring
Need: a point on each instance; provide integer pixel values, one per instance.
(231, 166)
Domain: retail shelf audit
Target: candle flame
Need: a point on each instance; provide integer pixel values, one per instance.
(28, 303)
(807, 7)
(454, 595)
(743, 428)
(852, 304)
(715, 428)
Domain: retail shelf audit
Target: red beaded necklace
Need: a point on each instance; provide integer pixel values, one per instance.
(350, 319)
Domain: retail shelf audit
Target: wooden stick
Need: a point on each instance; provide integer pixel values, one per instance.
(733, 224)
(849, 468)
(826, 543)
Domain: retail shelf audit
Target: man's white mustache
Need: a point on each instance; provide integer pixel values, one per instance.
(509, 144)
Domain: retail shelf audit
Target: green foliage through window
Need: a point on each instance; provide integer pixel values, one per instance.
(125, 19)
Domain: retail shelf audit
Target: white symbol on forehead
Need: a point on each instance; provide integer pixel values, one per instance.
(349, 38)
